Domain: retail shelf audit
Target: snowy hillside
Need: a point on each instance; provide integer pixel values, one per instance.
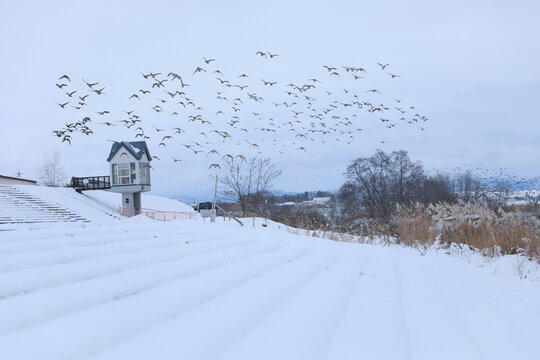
(38, 206)
(143, 289)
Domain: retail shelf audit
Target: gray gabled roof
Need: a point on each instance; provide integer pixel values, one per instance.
(135, 148)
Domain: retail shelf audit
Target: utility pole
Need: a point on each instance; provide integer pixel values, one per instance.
(213, 218)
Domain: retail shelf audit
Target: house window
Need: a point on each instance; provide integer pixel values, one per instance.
(133, 173)
(114, 174)
(145, 173)
(123, 173)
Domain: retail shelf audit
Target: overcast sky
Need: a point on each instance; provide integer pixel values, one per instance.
(471, 67)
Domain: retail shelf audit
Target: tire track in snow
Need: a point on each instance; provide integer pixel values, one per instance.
(328, 296)
(256, 319)
(110, 323)
(306, 318)
(498, 335)
(368, 329)
(402, 319)
(433, 319)
(344, 308)
(228, 324)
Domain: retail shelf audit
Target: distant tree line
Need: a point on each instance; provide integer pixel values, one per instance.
(375, 187)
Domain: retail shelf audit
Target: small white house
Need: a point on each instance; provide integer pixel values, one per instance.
(129, 163)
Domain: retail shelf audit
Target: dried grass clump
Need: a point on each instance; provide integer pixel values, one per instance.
(414, 227)
(475, 225)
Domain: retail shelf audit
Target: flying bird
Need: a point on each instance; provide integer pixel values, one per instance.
(198, 69)
(100, 91)
(91, 86)
(63, 105)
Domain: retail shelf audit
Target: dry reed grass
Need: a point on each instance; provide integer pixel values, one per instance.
(492, 233)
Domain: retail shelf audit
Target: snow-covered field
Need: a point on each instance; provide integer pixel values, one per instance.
(142, 289)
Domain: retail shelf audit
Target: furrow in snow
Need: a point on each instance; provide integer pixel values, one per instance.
(26, 281)
(497, 335)
(19, 312)
(67, 255)
(231, 322)
(311, 314)
(112, 322)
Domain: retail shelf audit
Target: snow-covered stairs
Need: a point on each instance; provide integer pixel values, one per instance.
(20, 207)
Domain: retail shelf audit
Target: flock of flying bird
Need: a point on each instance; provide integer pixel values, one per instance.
(245, 110)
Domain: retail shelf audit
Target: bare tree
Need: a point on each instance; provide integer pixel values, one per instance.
(533, 198)
(381, 181)
(52, 173)
(248, 182)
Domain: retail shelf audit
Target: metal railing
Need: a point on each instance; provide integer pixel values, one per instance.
(229, 215)
(157, 214)
(90, 183)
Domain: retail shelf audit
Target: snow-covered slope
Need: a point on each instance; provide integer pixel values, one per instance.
(112, 200)
(142, 289)
(39, 206)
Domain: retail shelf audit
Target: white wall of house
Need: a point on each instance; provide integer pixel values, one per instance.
(4, 181)
(124, 157)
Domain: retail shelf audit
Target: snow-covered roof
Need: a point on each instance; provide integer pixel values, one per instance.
(18, 179)
(321, 200)
(288, 203)
(135, 148)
